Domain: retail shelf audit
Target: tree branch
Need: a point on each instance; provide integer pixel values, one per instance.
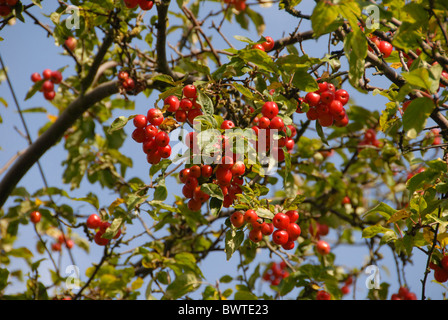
(50, 137)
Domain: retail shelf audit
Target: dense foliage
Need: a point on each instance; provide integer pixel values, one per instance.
(246, 144)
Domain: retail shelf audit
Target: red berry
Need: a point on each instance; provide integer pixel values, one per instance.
(327, 97)
(312, 98)
(146, 4)
(227, 124)
(93, 221)
(150, 130)
(200, 195)
(4, 10)
(194, 205)
(255, 235)
(187, 192)
(69, 243)
(47, 74)
(129, 84)
(440, 274)
(99, 240)
(223, 175)
(323, 295)
(238, 168)
(71, 43)
(264, 122)
(294, 231)
(139, 135)
(186, 104)
(172, 102)
(35, 77)
(180, 116)
(162, 139)
(293, 215)
(444, 262)
(237, 219)
(312, 114)
(289, 245)
(149, 146)
(131, 4)
(49, 95)
(56, 246)
(280, 237)
(140, 121)
(56, 77)
(250, 216)
(269, 109)
(155, 116)
(323, 247)
(165, 152)
(195, 171)
(258, 46)
(342, 96)
(385, 48)
(35, 217)
(48, 86)
(267, 228)
(206, 171)
(123, 75)
(192, 114)
(281, 221)
(268, 45)
(189, 91)
(276, 123)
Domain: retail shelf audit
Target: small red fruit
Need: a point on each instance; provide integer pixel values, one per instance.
(237, 219)
(323, 247)
(35, 217)
(155, 116)
(189, 91)
(269, 109)
(140, 121)
(281, 221)
(268, 45)
(172, 102)
(93, 221)
(35, 77)
(323, 295)
(250, 216)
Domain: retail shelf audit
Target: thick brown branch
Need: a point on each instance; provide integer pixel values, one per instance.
(50, 137)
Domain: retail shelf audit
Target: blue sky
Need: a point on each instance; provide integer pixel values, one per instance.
(27, 49)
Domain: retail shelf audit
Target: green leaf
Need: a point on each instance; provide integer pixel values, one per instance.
(372, 231)
(234, 239)
(245, 91)
(304, 81)
(383, 209)
(215, 206)
(206, 103)
(119, 123)
(114, 227)
(183, 284)
(161, 192)
(416, 115)
(264, 213)
(427, 79)
(213, 190)
(4, 273)
(320, 132)
(325, 18)
(260, 58)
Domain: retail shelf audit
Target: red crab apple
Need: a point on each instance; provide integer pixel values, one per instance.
(35, 217)
(93, 221)
(71, 43)
(323, 247)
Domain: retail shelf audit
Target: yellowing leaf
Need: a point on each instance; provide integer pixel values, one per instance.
(38, 202)
(52, 118)
(115, 204)
(400, 214)
(137, 284)
(396, 65)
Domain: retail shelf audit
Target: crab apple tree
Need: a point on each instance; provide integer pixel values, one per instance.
(165, 137)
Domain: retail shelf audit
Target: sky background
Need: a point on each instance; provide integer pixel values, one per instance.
(27, 49)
